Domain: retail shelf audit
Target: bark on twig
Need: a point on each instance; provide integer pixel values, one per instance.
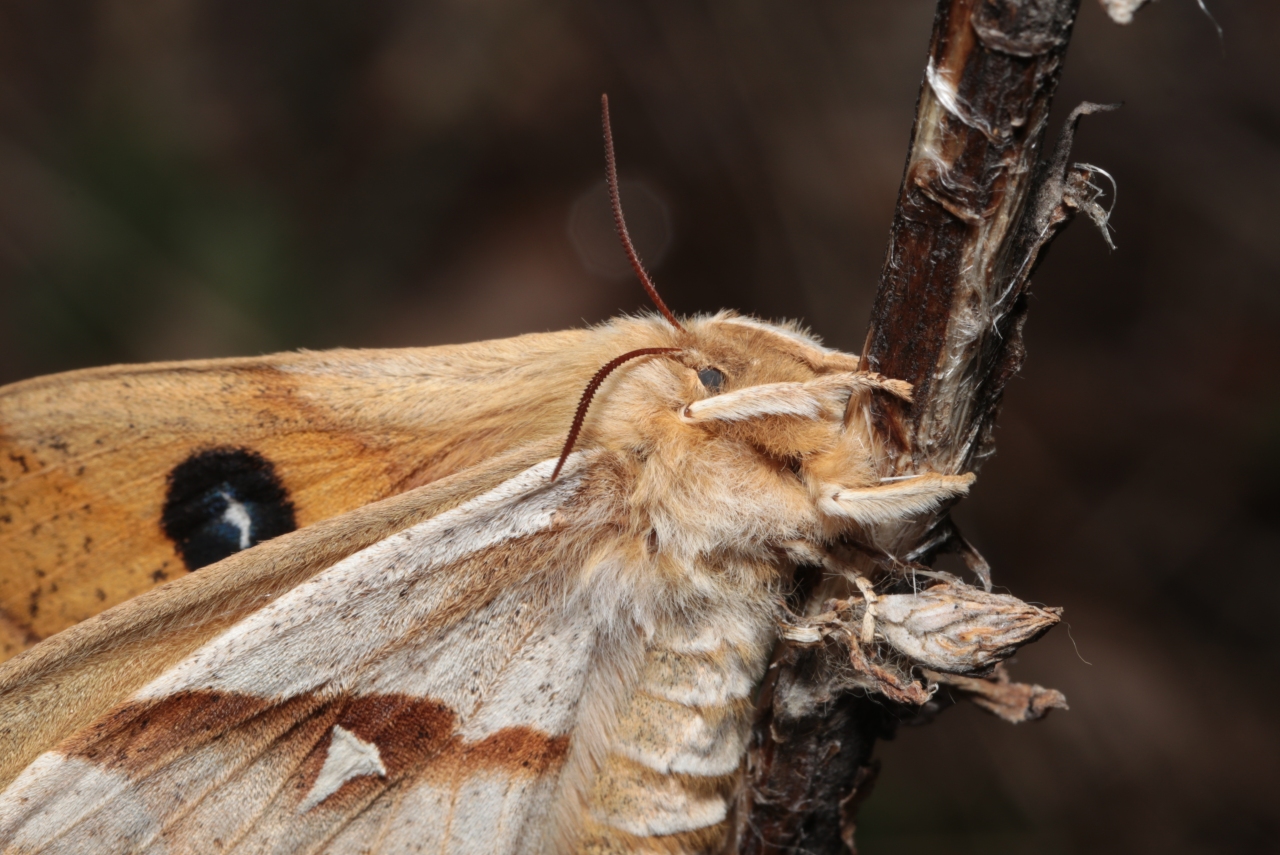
(979, 204)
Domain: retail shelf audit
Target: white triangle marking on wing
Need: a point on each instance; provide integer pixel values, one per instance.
(349, 757)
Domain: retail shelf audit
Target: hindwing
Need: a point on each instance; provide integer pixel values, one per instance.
(421, 691)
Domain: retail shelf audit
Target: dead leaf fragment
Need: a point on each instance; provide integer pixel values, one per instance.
(1000, 696)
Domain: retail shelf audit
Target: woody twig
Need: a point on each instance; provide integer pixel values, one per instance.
(980, 202)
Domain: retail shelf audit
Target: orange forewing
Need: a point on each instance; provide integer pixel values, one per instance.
(85, 457)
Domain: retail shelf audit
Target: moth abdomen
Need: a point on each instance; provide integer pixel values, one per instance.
(674, 759)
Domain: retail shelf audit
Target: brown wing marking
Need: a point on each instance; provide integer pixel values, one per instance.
(212, 759)
(171, 750)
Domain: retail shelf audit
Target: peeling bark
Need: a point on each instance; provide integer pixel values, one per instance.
(978, 205)
(948, 314)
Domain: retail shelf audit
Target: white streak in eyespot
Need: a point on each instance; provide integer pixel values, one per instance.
(325, 631)
(349, 757)
(68, 805)
(237, 515)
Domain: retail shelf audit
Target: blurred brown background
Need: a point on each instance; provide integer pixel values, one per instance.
(187, 178)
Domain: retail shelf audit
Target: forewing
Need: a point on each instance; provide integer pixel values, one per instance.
(417, 695)
(115, 480)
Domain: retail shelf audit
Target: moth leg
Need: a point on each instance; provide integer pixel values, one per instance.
(866, 381)
(823, 397)
(892, 501)
(805, 552)
(869, 614)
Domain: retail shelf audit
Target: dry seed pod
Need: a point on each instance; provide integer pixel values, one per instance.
(959, 628)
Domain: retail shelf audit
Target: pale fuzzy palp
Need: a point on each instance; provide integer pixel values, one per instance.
(896, 500)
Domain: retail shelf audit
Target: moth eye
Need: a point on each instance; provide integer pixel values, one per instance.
(712, 378)
(221, 501)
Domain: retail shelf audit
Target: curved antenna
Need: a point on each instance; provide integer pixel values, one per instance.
(590, 392)
(611, 176)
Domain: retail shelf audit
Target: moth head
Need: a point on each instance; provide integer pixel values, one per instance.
(727, 419)
(735, 430)
(724, 355)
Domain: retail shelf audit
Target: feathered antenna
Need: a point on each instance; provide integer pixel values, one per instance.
(611, 176)
(590, 392)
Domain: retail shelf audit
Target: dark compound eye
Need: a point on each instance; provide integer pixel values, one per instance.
(221, 501)
(712, 378)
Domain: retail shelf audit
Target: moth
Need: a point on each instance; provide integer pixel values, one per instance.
(432, 600)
